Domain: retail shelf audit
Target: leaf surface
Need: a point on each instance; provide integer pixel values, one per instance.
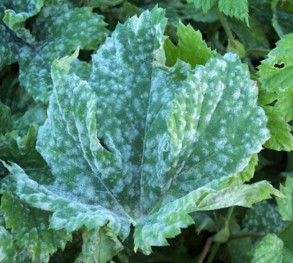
(276, 71)
(143, 143)
(9, 251)
(269, 249)
(263, 218)
(16, 17)
(202, 4)
(9, 47)
(235, 8)
(167, 222)
(30, 227)
(104, 243)
(232, 8)
(60, 29)
(275, 74)
(191, 47)
(285, 204)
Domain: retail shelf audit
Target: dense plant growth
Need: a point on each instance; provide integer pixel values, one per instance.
(146, 131)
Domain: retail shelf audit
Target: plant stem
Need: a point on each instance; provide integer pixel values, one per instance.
(225, 24)
(210, 240)
(230, 212)
(206, 249)
(213, 252)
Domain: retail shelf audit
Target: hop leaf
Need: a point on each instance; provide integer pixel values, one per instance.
(144, 144)
(275, 74)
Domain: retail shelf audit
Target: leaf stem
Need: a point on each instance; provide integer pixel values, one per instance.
(224, 24)
(214, 251)
(206, 249)
(229, 213)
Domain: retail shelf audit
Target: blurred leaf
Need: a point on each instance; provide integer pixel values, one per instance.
(287, 237)
(263, 218)
(285, 204)
(5, 118)
(269, 249)
(99, 246)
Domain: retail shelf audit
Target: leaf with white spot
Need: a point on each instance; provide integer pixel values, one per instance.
(20, 12)
(9, 47)
(5, 118)
(168, 220)
(99, 246)
(263, 218)
(269, 249)
(60, 29)
(9, 252)
(18, 135)
(273, 248)
(143, 143)
(41, 234)
(285, 203)
(30, 227)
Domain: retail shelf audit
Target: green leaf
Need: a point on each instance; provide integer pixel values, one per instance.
(67, 213)
(235, 8)
(167, 221)
(282, 17)
(287, 237)
(9, 48)
(251, 39)
(275, 74)
(191, 47)
(240, 249)
(5, 118)
(30, 227)
(248, 171)
(21, 148)
(80, 28)
(9, 252)
(269, 249)
(285, 204)
(145, 144)
(263, 218)
(99, 246)
(281, 137)
(232, 8)
(15, 18)
(274, 248)
(205, 5)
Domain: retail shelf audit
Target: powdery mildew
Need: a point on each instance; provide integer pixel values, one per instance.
(144, 141)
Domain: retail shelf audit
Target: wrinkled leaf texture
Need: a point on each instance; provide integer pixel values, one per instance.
(144, 144)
